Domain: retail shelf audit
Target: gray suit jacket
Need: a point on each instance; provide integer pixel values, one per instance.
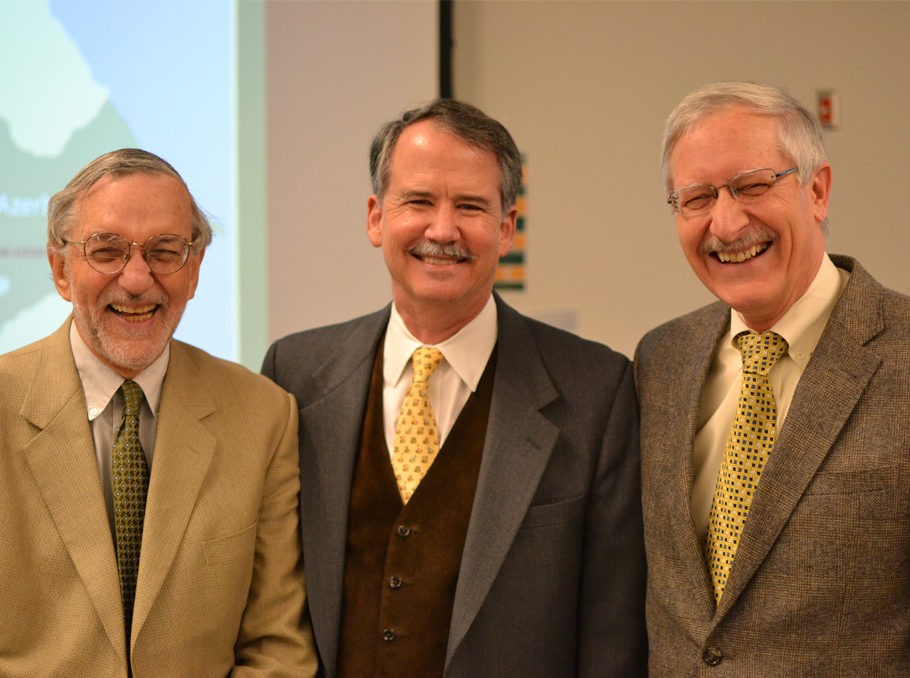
(821, 581)
(552, 577)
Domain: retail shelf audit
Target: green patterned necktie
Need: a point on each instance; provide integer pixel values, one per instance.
(130, 481)
(748, 447)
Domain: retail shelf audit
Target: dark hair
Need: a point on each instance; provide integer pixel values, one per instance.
(464, 121)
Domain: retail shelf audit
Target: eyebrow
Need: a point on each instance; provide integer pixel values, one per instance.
(416, 193)
(738, 174)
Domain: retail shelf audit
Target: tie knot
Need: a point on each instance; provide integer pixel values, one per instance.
(132, 397)
(760, 351)
(426, 360)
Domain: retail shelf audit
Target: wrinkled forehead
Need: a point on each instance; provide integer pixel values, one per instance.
(723, 144)
(124, 202)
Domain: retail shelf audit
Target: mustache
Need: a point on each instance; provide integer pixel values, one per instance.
(431, 248)
(113, 296)
(754, 236)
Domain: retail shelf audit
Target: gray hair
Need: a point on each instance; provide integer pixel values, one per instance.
(61, 213)
(799, 134)
(468, 124)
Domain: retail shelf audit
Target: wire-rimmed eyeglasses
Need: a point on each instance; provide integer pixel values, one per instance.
(109, 253)
(745, 187)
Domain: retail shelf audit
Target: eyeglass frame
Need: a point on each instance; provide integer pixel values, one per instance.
(129, 252)
(673, 198)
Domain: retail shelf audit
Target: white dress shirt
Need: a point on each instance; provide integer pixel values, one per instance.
(801, 326)
(466, 354)
(104, 403)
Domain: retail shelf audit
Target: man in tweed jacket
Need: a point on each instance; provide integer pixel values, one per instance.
(819, 583)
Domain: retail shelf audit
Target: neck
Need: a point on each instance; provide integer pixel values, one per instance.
(431, 326)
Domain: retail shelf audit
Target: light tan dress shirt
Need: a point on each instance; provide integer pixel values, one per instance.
(802, 326)
(466, 354)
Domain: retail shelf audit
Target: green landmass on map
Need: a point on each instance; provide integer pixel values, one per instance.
(25, 183)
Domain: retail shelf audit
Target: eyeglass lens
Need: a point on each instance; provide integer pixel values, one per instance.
(745, 187)
(108, 252)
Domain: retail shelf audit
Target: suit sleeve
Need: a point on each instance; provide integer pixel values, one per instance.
(275, 637)
(612, 634)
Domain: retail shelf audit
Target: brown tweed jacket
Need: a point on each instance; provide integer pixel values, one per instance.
(219, 580)
(821, 582)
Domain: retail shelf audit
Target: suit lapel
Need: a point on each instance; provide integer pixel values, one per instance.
(518, 445)
(331, 427)
(63, 462)
(681, 414)
(183, 452)
(826, 395)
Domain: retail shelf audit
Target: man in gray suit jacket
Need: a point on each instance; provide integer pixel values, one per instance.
(508, 540)
(776, 501)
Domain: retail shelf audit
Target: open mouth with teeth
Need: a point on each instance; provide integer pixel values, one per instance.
(436, 261)
(134, 314)
(739, 257)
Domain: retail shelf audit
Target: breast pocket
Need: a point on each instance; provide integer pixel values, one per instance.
(234, 549)
(557, 513)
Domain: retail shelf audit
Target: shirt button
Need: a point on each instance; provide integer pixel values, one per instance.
(93, 412)
(712, 656)
(800, 355)
(403, 530)
(388, 635)
(395, 582)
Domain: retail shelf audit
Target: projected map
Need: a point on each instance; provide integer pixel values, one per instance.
(78, 79)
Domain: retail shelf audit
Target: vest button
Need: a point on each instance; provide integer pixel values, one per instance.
(403, 530)
(395, 582)
(712, 656)
(388, 635)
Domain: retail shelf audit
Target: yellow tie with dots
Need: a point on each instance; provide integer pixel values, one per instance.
(416, 436)
(130, 482)
(748, 447)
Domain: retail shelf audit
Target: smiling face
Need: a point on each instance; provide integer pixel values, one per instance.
(442, 229)
(127, 318)
(759, 258)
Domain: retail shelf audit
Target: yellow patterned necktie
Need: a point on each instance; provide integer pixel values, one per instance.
(751, 441)
(130, 482)
(416, 436)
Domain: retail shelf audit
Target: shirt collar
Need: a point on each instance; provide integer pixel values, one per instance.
(100, 382)
(467, 351)
(803, 324)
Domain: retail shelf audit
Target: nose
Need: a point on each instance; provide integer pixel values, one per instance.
(136, 277)
(443, 227)
(728, 218)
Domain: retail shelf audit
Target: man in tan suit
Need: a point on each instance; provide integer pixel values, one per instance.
(148, 491)
(775, 422)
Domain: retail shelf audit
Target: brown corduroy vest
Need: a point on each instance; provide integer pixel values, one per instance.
(402, 562)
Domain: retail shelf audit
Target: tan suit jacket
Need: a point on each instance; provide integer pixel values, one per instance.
(220, 590)
(820, 586)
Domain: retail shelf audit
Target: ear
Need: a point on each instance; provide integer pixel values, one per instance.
(820, 191)
(507, 231)
(58, 272)
(195, 263)
(374, 221)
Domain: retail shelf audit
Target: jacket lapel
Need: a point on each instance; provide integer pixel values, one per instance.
(518, 445)
(688, 376)
(183, 451)
(331, 426)
(826, 395)
(63, 461)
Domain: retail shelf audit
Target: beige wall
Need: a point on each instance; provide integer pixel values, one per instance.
(585, 88)
(336, 72)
